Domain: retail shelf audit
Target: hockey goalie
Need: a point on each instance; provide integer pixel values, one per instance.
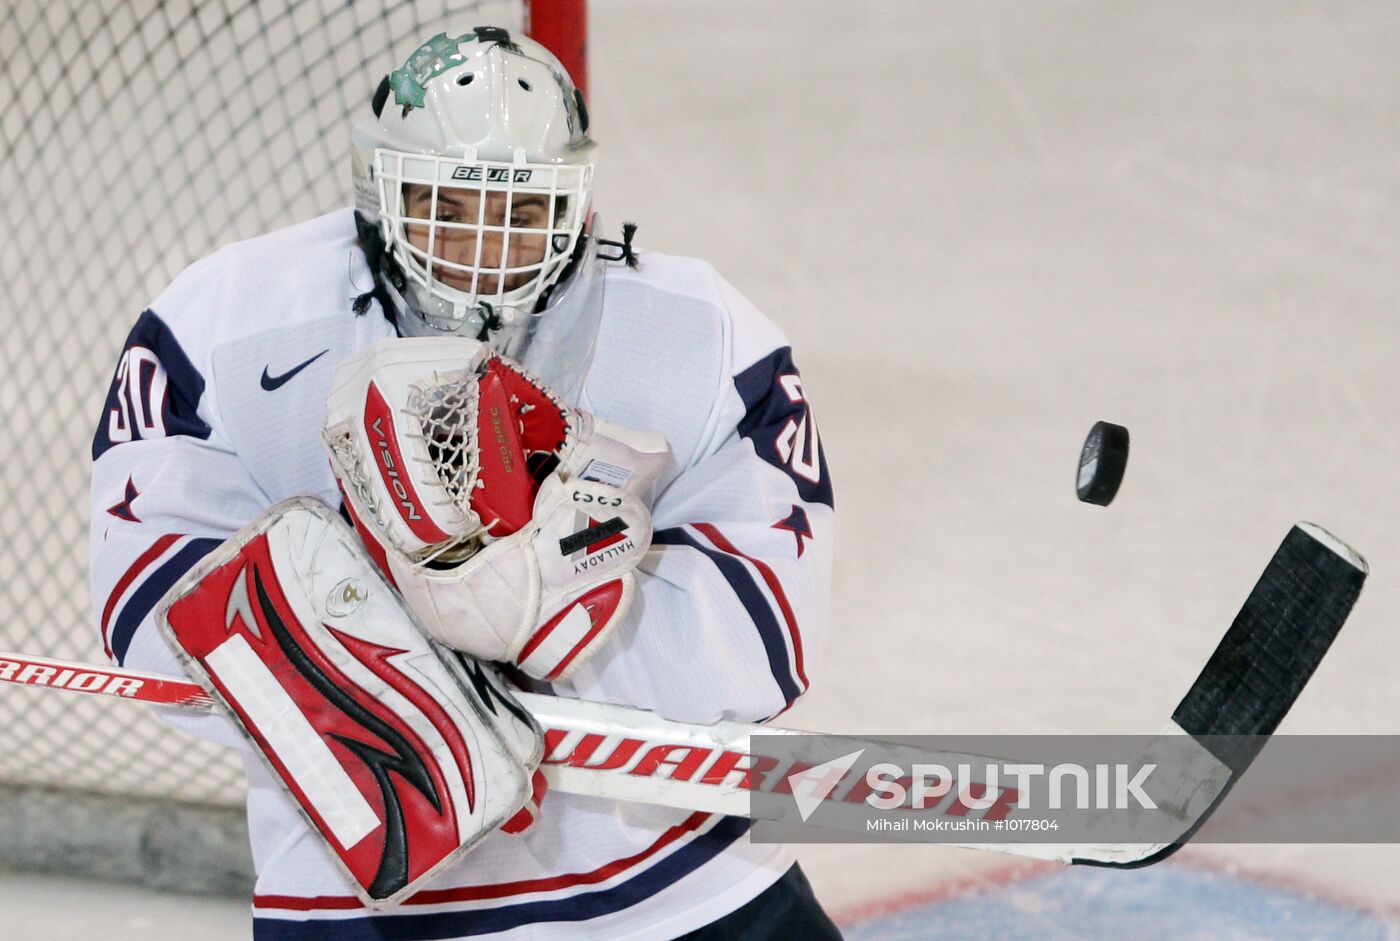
(389, 464)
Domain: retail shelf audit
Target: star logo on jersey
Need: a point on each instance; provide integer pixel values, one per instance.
(796, 523)
(427, 62)
(122, 509)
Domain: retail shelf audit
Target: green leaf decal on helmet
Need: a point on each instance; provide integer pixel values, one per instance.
(428, 61)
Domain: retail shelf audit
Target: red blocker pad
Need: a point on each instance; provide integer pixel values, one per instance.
(382, 740)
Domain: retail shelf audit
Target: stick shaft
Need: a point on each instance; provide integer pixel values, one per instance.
(624, 753)
(597, 749)
(97, 679)
(586, 741)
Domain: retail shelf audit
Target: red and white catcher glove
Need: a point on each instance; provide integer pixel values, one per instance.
(509, 522)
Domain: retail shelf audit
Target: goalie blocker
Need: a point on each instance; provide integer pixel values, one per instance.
(398, 758)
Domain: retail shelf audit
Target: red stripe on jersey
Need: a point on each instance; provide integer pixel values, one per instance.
(473, 893)
(771, 580)
(142, 562)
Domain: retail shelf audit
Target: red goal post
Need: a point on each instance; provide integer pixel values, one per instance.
(561, 26)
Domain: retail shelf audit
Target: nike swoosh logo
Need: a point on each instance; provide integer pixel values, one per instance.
(273, 383)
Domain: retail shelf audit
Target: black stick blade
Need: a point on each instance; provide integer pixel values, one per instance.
(1275, 643)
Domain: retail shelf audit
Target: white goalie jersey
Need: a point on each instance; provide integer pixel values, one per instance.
(215, 414)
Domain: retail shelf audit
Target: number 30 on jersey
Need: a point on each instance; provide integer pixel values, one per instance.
(155, 391)
(141, 386)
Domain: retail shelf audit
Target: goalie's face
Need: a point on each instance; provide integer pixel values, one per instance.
(487, 250)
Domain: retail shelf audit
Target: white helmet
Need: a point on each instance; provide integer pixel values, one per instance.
(472, 185)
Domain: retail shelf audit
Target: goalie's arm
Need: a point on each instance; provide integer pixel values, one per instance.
(732, 596)
(158, 507)
(167, 488)
(190, 497)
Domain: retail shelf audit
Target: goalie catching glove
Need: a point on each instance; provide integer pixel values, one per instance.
(509, 522)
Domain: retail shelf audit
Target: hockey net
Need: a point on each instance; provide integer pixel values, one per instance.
(135, 138)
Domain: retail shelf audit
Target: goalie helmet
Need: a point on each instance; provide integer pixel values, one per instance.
(472, 187)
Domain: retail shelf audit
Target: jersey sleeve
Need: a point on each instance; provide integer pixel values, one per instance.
(733, 594)
(167, 488)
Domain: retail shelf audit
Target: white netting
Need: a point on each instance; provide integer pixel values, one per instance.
(136, 136)
(446, 411)
(441, 416)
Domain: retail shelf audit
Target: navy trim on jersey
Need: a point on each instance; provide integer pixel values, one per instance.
(152, 590)
(742, 583)
(464, 924)
(767, 388)
(184, 388)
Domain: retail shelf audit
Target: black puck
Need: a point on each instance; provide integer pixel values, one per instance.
(1102, 462)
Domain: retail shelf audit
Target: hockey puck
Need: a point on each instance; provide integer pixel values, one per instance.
(1102, 462)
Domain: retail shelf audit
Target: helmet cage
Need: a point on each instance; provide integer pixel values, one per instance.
(486, 278)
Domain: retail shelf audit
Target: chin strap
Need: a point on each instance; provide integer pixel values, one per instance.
(380, 266)
(490, 322)
(624, 248)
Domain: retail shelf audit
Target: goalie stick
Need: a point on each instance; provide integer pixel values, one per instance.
(1280, 635)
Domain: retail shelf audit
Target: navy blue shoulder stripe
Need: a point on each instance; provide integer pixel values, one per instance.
(779, 421)
(155, 390)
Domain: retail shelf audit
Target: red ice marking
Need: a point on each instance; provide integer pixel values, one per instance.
(903, 901)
